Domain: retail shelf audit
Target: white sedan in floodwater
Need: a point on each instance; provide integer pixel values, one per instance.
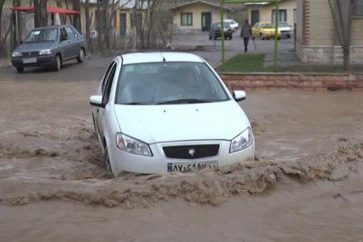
(168, 112)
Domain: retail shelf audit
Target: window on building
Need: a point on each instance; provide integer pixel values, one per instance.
(358, 8)
(282, 15)
(186, 19)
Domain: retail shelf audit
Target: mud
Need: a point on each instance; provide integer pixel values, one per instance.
(88, 182)
(304, 186)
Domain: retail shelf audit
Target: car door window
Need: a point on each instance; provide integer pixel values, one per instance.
(108, 84)
(70, 33)
(105, 77)
(63, 34)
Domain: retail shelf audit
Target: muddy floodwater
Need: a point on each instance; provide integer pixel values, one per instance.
(306, 184)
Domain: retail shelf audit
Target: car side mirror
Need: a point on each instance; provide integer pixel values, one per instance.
(96, 101)
(239, 95)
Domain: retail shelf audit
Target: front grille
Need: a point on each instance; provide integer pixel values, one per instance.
(30, 54)
(191, 151)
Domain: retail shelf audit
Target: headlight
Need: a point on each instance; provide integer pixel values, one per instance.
(45, 52)
(242, 141)
(132, 145)
(16, 54)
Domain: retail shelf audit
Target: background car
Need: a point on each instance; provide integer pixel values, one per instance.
(168, 112)
(285, 30)
(264, 31)
(49, 46)
(215, 31)
(232, 24)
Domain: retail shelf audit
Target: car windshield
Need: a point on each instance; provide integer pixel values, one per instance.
(168, 83)
(42, 35)
(283, 24)
(267, 26)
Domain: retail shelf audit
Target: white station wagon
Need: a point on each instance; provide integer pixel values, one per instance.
(168, 112)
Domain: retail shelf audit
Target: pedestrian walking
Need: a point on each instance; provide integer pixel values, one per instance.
(246, 34)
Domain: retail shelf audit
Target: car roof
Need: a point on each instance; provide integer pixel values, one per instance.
(52, 27)
(150, 57)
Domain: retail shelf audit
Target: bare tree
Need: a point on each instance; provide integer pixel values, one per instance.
(61, 16)
(41, 13)
(3, 36)
(76, 17)
(88, 22)
(342, 12)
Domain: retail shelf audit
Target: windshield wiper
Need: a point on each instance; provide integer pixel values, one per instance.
(135, 103)
(181, 101)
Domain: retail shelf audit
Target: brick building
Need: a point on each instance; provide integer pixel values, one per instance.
(316, 37)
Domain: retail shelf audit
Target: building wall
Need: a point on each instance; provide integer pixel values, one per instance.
(316, 37)
(266, 11)
(197, 10)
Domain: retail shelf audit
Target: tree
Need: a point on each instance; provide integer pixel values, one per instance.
(76, 17)
(3, 33)
(342, 12)
(88, 22)
(41, 13)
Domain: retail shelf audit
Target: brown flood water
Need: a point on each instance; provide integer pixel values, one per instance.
(306, 186)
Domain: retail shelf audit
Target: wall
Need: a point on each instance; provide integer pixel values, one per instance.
(320, 44)
(266, 11)
(304, 81)
(197, 10)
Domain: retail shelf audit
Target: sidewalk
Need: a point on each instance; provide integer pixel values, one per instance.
(5, 62)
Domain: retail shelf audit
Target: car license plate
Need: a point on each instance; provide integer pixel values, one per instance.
(29, 60)
(187, 166)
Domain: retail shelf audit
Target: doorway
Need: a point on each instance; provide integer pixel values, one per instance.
(206, 21)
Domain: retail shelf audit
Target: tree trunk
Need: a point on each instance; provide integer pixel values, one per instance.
(2, 41)
(77, 17)
(88, 22)
(41, 13)
(342, 12)
(61, 16)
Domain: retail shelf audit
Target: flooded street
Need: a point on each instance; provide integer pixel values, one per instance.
(305, 186)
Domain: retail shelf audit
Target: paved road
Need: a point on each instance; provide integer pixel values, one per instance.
(233, 47)
(211, 52)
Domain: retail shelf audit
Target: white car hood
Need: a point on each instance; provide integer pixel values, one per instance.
(166, 123)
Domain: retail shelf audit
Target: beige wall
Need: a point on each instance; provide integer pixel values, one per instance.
(197, 10)
(321, 24)
(266, 11)
(357, 32)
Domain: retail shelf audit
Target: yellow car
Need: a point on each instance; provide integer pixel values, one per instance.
(264, 31)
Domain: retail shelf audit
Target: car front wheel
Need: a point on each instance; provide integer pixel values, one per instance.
(20, 69)
(106, 159)
(57, 63)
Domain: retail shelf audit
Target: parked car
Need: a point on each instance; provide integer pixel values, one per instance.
(285, 30)
(232, 24)
(264, 31)
(215, 31)
(168, 112)
(49, 46)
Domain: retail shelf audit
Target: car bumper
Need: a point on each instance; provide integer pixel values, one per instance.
(159, 163)
(45, 60)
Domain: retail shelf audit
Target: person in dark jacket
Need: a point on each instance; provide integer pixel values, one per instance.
(246, 34)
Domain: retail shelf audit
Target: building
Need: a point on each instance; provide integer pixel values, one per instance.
(196, 16)
(265, 12)
(316, 36)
